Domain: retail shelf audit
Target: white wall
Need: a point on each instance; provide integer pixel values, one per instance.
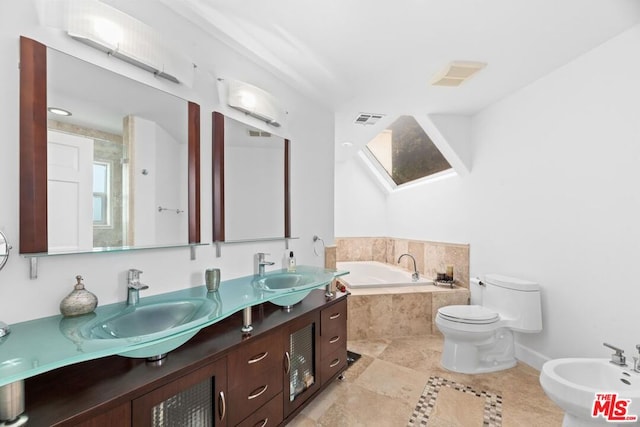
(553, 196)
(308, 126)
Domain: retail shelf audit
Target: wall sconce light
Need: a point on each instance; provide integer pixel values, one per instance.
(255, 102)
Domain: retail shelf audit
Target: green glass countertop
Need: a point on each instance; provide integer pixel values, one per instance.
(41, 345)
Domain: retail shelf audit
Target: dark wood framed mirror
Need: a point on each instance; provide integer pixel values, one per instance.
(34, 129)
(257, 164)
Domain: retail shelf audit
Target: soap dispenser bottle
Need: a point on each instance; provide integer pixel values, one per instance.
(291, 266)
(80, 301)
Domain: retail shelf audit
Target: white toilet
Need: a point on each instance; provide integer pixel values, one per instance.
(479, 337)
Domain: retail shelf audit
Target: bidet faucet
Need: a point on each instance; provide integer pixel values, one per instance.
(415, 276)
(260, 263)
(636, 360)
(617, 358)
(134, 286)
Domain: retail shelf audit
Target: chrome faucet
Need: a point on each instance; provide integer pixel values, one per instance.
(636, 360)
(617, 358)
(415, 276)
(134, 286)
(260, 263)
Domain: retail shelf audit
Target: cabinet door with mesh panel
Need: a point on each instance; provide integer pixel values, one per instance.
(301, 358)
(196, 399)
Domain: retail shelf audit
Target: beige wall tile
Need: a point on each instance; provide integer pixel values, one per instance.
(411, 314)
(417, 250)
(379, 249)
(330, 253)
(370, 316)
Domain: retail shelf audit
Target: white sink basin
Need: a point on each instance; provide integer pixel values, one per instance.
(574, 382)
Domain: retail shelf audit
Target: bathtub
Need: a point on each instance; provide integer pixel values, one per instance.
(373, 274)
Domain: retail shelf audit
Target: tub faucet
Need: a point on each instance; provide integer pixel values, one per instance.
(134, 286)
(415, 276)
(260, 263)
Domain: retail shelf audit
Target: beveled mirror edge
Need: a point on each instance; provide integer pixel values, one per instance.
(217, 171)
(33, 154)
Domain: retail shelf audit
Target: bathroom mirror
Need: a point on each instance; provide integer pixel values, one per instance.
(250, 182)
(121, 171)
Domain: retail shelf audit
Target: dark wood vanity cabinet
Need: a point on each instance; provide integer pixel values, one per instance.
(333, 340)
(197, 399)
(255, 378)
(218, 378)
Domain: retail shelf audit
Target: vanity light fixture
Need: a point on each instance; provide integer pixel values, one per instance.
(121, 36)
(254, 101)
(59, 111)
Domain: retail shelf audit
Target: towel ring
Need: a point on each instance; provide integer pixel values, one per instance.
(5, 248)
(315, 248)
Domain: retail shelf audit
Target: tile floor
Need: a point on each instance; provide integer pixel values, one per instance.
(383, 387)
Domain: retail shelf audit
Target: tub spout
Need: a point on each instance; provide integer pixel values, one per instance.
(415, 276)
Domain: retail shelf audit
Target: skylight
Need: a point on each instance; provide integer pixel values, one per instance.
(405, 152)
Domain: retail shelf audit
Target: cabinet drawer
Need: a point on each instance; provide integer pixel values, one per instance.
(253, 393)
(332, 364)
(269, 415)
(332, 341)
(255, 358)
(333, 319)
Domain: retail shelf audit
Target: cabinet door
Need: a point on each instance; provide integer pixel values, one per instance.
(196, 399)
(302, 355)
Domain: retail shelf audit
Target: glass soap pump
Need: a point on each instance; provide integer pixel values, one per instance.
(80, 301)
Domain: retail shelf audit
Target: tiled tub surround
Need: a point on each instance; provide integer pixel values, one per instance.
(398, 312)
(431, 257)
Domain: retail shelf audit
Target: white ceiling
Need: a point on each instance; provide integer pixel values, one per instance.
(379, 56)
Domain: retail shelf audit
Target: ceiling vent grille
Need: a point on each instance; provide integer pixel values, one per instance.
(368, 118)
(258, 133)
(457, 72)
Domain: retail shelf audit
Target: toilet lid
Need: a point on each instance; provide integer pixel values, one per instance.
(468, 314)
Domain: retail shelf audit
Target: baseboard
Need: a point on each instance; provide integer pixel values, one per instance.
(530, 357)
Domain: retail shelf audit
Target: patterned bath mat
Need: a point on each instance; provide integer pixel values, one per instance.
(448, 403)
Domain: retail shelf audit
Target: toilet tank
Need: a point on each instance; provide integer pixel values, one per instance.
(516, 300)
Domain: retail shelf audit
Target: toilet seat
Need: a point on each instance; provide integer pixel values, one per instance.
(470, 314)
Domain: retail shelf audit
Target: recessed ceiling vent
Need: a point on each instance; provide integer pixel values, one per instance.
(457, 72)
(368, 118)
(259, 133)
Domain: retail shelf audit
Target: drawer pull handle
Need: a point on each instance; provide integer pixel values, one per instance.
(334, 339)
(258, 357)
(287, 360)
(334, 363)
(264, 423)
(222, 405)
(257, 392)
(334, 316)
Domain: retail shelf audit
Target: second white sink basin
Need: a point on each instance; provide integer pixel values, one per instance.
(573, 383)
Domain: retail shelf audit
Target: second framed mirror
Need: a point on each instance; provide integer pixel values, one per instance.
(250, 183)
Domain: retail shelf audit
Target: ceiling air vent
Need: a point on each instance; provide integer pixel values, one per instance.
(259, 133)
(368, 118)
(456, 72)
